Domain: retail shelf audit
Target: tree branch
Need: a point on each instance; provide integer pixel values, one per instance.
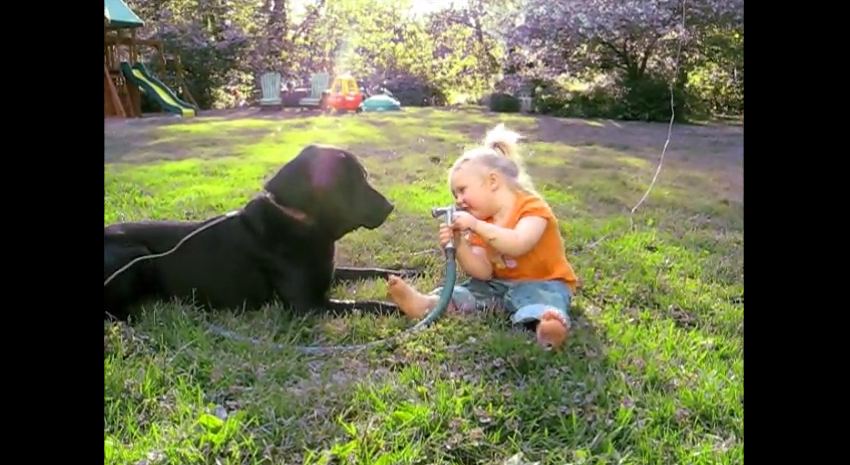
(306, 22)
(479, 34)
(627, 54)
(646, 54)
(619, 53)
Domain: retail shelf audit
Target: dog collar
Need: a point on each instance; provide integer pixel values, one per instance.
(288, 211)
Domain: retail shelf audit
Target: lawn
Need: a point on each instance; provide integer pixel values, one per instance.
(653, 372)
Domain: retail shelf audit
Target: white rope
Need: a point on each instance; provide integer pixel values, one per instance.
(666, 142)
(669, 127)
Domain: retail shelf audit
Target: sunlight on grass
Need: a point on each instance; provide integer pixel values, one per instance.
(652, 373)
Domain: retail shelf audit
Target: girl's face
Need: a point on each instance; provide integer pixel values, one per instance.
(472, 188)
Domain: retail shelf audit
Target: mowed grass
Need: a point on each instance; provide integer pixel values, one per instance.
(652, 374)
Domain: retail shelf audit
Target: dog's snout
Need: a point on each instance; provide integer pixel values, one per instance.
(380, 211)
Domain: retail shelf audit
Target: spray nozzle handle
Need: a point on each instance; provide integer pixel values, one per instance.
(448, 213)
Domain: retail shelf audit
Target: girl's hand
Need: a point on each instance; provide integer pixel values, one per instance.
(447, 234)
(463, 221)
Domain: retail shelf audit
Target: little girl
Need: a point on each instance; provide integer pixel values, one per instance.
(507, 241)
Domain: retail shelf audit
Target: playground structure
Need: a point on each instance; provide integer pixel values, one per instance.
(124, 74)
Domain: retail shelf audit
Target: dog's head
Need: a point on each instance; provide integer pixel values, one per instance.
(330, 186)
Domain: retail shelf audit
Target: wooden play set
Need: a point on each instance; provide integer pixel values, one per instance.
(123, 73)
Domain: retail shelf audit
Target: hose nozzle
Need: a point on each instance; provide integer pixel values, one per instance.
(448, 215)
(447, 212)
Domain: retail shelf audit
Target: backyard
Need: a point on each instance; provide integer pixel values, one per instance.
(653, 371)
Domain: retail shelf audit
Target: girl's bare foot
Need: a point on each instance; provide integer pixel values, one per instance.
(413, 303)
(552, 330)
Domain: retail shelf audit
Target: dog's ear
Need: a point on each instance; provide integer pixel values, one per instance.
(292, 185)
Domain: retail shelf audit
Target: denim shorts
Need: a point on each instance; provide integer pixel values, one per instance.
(525, 301)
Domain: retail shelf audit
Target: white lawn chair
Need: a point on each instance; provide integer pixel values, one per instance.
(270, 82)
(318, 84)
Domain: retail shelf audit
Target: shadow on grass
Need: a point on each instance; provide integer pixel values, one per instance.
(459, 392)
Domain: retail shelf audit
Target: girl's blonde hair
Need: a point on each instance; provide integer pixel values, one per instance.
(500, 152)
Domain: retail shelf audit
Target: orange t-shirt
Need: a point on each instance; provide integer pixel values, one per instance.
(547, 260)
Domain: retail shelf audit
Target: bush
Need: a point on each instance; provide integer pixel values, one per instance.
(646, 99)
(547, 97)
(597, 102)
(715, 90)
(414, 91)
(549, 103)
(504, 103)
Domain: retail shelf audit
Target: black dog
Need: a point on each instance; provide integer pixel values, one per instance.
(280, 245)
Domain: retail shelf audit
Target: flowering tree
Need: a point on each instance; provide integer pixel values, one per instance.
(572, 36)
(469, 40)
(638, 42)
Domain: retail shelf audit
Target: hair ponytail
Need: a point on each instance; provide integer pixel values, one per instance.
(500, 151)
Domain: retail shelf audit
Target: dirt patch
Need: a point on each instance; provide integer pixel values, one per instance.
(137, 146)
(715, 149)
(138, 140)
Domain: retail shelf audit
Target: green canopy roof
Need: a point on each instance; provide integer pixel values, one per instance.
(119, 15)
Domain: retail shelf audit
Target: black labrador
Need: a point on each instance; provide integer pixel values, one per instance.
(279, 246)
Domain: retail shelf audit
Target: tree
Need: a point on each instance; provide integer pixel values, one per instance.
(715, 75)
(469, 51)
(629, 35)
(636, 41)
(208, 38)
(282, 33)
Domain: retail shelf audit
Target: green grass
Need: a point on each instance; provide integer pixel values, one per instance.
(652, 374)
